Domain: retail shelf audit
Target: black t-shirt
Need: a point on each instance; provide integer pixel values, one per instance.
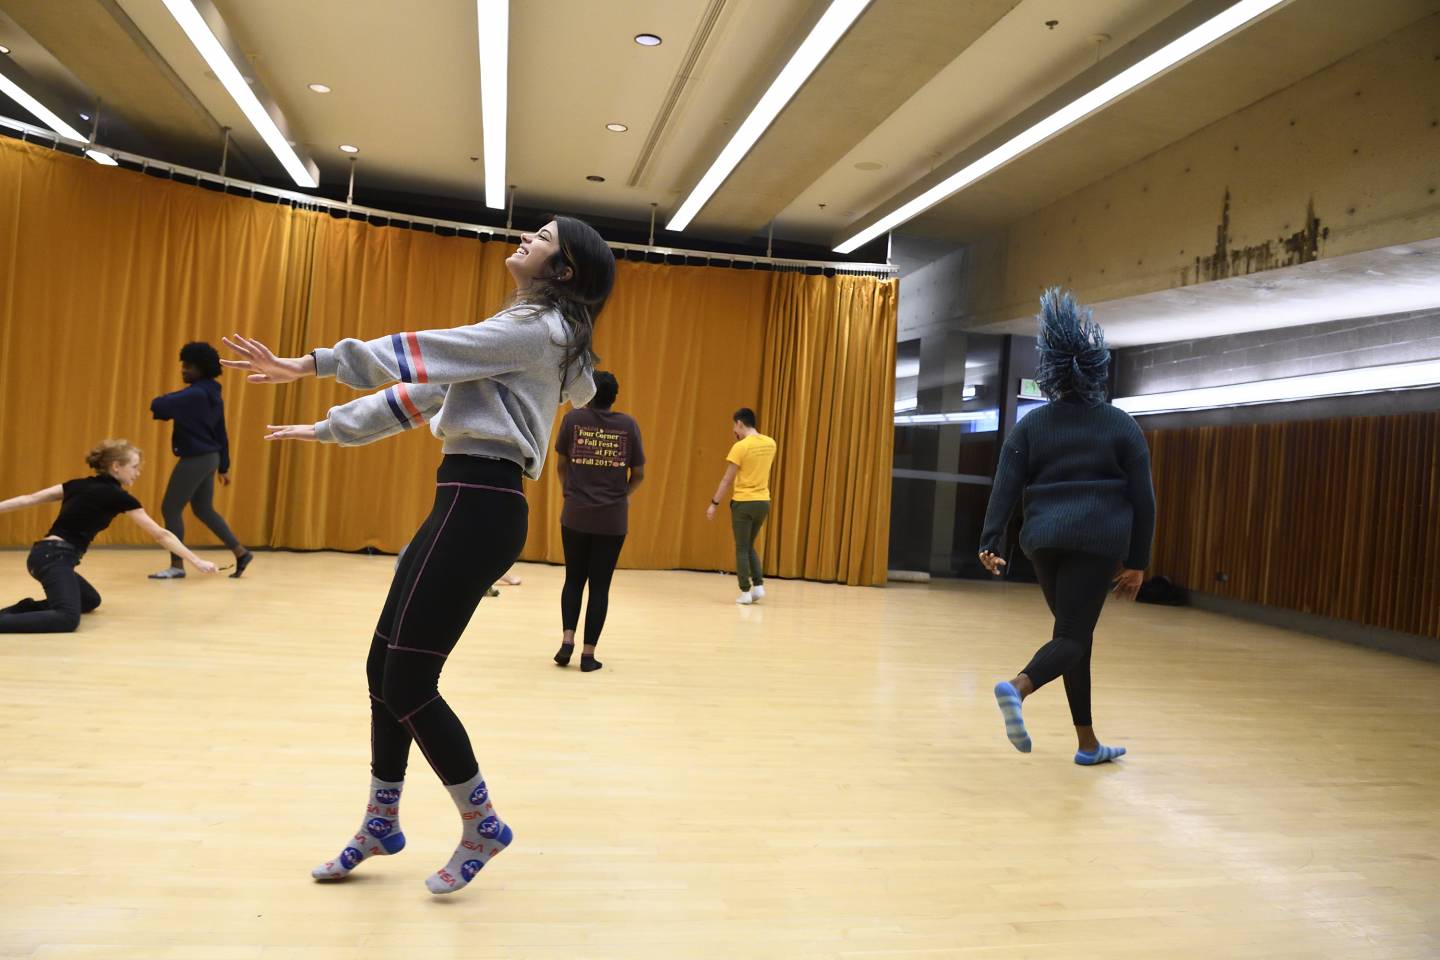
(88, 507)
(602, 446)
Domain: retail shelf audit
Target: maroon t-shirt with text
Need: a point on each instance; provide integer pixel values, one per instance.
(602, 446)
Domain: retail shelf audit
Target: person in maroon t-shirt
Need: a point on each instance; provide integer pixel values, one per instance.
(601, 464)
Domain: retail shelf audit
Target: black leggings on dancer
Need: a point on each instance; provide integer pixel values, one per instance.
(475, 531)
(589, 557)
(193, 482)
(1075, 587)
(67, 594)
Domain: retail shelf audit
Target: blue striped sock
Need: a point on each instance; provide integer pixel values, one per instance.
(1101, 754)
(1009, 700)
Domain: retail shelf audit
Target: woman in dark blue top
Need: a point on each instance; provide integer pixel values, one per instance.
(200, 442)
(1083, 470)
(87, 507)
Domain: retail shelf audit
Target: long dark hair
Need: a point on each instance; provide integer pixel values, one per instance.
(579, 298)
(1074, 361)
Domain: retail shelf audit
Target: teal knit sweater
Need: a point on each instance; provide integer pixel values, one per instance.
(1084, 473)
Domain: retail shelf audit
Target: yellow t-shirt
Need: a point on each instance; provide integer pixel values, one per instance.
(753, 456)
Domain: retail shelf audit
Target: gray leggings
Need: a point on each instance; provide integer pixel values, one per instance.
(193, 482)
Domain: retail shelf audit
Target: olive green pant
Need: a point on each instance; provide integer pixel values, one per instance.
(746, 516)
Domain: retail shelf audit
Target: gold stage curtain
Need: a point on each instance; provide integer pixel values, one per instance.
(828, 398)
(105, 273)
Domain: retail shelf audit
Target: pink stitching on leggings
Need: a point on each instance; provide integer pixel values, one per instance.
(382, 636)
(414, 586)
(432, 653)
(481, 486)
(415, 735)
(406, 718)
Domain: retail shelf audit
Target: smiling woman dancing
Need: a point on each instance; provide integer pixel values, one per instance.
(491, 390)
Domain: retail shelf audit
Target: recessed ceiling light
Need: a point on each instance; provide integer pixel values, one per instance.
(319, 88)
(647, 39)
(4, 49)
(595, 178)
(616, 127)
(84, 116)
(349, 148)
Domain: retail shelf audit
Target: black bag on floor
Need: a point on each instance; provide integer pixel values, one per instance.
(1162, 591)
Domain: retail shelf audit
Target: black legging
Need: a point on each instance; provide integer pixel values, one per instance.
(1075, 586)
(67, 594)
(475, 531)
(193, 482)
(589, 557)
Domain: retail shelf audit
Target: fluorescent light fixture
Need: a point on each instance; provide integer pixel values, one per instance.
(981, 420)
(1172, 53)
(213, 51)
(832, 26)
(494, 19)
(1398, 376)
(51, 119)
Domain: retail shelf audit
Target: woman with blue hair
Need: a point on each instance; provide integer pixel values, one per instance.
(1083, 470)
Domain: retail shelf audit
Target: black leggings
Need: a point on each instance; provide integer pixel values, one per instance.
(1075, 586)
(193, 482)
(589, 557)
(475, 531)
(67, 594)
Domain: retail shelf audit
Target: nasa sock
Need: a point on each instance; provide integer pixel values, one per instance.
(482, 836)
(379, 835)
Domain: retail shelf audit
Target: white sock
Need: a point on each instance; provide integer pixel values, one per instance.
(482, 836)
(744, 598)
(379, 835)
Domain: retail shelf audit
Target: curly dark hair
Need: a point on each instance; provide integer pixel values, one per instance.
(1074, 361)
(202, 357)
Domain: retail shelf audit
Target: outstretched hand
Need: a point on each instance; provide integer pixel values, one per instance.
(992, 562)
(1127, 583)
(298, 431)
(264, 366)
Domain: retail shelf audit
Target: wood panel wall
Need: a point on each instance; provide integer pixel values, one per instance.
(1339, 518)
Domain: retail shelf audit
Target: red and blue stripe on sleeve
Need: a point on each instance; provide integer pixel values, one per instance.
(407, 355)
(402, 406)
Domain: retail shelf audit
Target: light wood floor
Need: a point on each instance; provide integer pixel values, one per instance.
(822, 775)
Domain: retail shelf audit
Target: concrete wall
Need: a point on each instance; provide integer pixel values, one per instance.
(1268, 354)
(1343, 161)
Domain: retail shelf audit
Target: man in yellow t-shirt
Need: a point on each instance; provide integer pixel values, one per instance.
(749, 470)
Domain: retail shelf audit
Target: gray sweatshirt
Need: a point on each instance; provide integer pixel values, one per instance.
(489, 389)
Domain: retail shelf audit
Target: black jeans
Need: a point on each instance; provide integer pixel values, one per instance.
(589, 557)
(1075, 586)
(193, 482)
(67, 594)
(475, 531)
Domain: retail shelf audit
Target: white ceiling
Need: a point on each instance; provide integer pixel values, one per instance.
(913, 84)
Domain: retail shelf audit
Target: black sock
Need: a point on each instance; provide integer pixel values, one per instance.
(588, 662)
(241, 562)
(563, 657)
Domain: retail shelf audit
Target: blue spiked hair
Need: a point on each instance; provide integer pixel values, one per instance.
(1074, 361)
